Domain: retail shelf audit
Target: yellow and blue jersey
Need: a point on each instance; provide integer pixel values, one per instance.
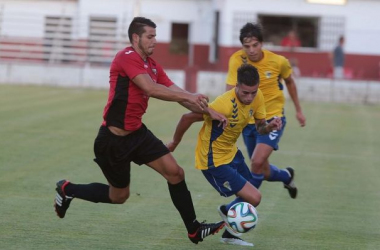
(272, 69)
(217, 146)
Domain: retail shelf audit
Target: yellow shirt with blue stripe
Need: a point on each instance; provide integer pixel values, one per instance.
(272, 69)
(216, 146)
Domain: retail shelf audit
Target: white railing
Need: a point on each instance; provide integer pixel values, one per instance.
(60, 42)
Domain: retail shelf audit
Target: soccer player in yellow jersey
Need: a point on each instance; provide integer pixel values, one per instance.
(273, 69)
(216, 152)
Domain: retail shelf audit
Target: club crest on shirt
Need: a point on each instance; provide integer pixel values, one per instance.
(268, 74)
(244, 59)
(154, 71)
(251, 112)
(227, 185)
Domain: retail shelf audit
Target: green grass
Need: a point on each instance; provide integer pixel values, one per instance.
(47, 134)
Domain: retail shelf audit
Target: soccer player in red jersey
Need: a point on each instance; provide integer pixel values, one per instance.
(123, 138)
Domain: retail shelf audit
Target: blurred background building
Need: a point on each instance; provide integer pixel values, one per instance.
(72, 42)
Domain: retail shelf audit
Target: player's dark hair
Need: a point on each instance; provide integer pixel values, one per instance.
(247, 75)
(137, 26)
(250, 30)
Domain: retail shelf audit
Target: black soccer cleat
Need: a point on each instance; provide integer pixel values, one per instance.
(62, 201)
(291, 187)
(205, 230)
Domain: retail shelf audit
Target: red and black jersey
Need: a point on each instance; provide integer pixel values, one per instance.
(126, 101)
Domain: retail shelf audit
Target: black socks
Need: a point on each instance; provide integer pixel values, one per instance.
(94, 192)
(181, 198)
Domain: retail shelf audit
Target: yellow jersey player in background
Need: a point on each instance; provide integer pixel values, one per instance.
(273, 69)
(217, 155)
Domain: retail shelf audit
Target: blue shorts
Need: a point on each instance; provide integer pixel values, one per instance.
(230, 178)
(252, 137)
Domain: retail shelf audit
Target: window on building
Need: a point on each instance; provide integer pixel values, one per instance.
(239, 20)
(180, 39)
(330, 29)
(102, 39)
(57, 38)
(276, 28)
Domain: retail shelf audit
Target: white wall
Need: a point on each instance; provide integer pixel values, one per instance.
(210, 83)
(26, 18)
(362, 21)
(65, 76)
(362, 27)
(309, 89)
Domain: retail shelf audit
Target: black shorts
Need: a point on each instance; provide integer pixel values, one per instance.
(114, 153)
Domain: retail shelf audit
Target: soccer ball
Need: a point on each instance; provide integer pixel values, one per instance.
(242, 217)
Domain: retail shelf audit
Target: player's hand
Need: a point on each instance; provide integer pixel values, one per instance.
(200, 100)
(223, 121)
(301, 119)
(275, 124)
(172, 146)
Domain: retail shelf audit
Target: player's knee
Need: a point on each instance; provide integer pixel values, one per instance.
(257, 199)
(257, 165)
(176, 176)
(119, 198)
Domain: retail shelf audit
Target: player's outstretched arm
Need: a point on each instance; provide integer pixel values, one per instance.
(183, 125)
(292, 89)
(265, 128)
(223, 121)
(144, 82)
(189, 106)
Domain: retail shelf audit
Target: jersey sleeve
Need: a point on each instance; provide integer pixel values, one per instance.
(233, 66)
(162, 77)
(258, 106)
(285, 68)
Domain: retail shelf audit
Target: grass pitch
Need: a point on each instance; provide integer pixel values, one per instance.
(47, 134)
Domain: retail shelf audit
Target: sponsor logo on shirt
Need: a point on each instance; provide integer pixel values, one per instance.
(129, 52)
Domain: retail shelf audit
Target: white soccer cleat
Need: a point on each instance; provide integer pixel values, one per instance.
(234, 241)
(223, 214)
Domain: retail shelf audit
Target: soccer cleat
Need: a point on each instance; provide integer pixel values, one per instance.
(229, 239)
(291, 187)
(62, 201)
(222, 209)
(205, 230)
(236, 241)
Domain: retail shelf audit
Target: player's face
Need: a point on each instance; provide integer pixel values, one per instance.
(252, 48)
(246, 94)
(147, 41)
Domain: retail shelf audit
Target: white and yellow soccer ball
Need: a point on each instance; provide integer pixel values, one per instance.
(242, 217)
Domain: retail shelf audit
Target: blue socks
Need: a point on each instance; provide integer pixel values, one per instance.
(277, 174)
(237, 199)
(257, 180)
